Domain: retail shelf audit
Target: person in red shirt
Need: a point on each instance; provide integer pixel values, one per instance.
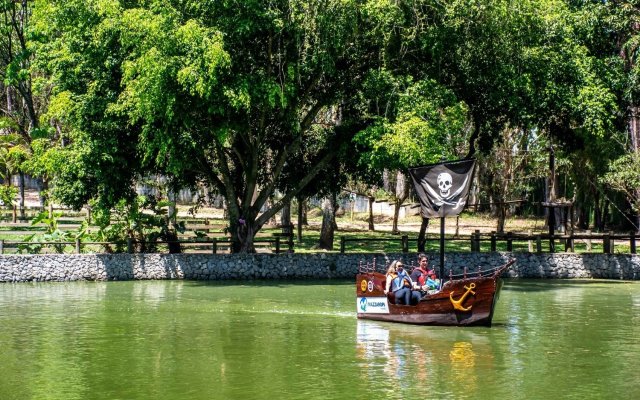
(420, 274)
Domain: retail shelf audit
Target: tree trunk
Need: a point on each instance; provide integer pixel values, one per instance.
(172, 215)
(634, 128)
(44, 186)
(371, 225)
(422, 236)
(502, 216)
(328, 223)
(242, 241)
(336, 208)
(302, 210)
(272, 220)
(597, 216)
(583, 217)
(301, 215)
(605, 214)
(285, 214)
(396, 216)
(21, 198)
(401, 194)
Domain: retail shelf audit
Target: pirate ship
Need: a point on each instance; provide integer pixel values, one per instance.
(461, 300)
(465, 300)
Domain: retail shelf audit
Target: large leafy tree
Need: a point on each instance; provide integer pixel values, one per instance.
(611, 32)
(428, 124)
(218, 92)
(23, 96)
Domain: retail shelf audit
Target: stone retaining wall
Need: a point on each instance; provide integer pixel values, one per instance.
(102, 267)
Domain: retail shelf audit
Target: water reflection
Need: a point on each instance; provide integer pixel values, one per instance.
(415, 354)
(167, 340)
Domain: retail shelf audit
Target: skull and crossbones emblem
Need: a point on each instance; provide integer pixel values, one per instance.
(443, 194)
(445, 181)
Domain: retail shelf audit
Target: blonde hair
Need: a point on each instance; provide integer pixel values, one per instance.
(394, 266)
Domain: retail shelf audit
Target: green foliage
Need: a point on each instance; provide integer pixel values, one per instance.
(144, 220)
(251, 97)
(7, 194)
(624, 176)
(428, 124)
(53, 236)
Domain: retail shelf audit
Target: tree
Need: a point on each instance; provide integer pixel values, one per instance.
(220, 92)
(19, 104)
(426, 123)
(611, 32)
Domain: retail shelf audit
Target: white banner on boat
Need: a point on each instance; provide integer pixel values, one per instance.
(372, 305)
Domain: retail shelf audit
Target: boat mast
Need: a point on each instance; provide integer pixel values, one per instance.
(441, 249)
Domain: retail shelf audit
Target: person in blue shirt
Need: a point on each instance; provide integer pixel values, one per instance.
(400, 284)
(432, 283)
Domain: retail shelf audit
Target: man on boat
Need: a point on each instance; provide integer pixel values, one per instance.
(419, 274)
(424, 278)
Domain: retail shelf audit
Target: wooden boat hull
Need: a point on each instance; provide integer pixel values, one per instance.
(461, 302)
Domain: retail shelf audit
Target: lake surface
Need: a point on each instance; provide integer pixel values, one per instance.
(301, 340)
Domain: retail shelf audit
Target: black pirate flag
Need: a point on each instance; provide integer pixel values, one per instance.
(443, 188)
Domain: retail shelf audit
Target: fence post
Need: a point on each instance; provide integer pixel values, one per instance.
(15, 214)
(129, 245)
(277, 244)
(342, 244)
(77, 246)
(509, 242)
(214, 245)
(538, 244)
(589, 240)
(632, 242)
(405, 243)
(606, 243)
(474, 241)
(290, 243)
(568, 247)
(612, 243)
(493, 241)
(530, 234)
(1, 246)
(552, 243)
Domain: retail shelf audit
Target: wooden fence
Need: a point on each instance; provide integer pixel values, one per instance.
(276, 245)
(477, 242)
(606, 243)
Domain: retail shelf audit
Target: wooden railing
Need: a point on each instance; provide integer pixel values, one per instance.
(275, 244)
(507, 241)
(606, 243)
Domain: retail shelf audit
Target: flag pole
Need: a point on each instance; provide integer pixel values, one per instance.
(441, 249)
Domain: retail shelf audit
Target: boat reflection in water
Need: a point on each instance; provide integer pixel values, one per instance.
(409, 354)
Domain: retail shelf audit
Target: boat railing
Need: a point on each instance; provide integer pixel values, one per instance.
(367, 268)
(479, 272)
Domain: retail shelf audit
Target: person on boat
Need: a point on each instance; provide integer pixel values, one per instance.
(400, 284)
(424, 278)
(419, 274)
(432, 283)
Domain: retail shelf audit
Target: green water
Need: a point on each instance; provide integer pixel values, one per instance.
(284, 340)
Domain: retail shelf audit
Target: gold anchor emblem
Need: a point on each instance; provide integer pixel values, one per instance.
(457, 304)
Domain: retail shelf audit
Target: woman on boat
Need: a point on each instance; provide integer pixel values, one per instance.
(399, 283)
